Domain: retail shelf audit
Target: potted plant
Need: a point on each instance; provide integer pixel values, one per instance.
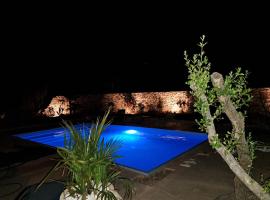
(88, 160)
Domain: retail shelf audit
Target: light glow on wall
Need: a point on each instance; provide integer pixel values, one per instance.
(59, 105)
(175, 102)
(150, 102)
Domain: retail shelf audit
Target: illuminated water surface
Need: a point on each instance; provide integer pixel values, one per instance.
(142, 149)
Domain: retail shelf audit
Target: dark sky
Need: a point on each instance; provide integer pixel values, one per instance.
(70, 53)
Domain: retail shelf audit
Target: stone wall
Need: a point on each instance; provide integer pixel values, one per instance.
(260, 103)
(150, 102)
(176, 102)
(59, 105)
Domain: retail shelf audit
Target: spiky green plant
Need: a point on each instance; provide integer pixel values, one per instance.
(88, 160)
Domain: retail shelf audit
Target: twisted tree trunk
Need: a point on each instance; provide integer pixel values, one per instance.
(238, 123)
(238, 131)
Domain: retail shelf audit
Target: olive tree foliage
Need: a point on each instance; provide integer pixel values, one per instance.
(215, 96)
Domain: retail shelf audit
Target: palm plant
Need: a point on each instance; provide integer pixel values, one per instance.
(88, 159)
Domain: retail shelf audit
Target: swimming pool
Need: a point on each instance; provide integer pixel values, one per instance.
(142, 149)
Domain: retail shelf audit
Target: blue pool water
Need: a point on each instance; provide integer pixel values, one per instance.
(142, 149)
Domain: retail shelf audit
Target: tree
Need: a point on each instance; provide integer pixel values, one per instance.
(226, 96)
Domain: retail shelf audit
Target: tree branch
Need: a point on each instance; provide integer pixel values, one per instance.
(230, 160)
(237, 120)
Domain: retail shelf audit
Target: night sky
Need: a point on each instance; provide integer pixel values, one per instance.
(71, 54)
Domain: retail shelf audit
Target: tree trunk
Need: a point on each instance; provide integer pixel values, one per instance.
(241, 191)
(238, 132)
(228, 157)
(238, 123)
(233, 164)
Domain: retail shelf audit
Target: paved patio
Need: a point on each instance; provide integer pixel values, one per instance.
(197, 174)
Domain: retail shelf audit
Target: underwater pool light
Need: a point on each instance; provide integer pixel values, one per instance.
(131, 131)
